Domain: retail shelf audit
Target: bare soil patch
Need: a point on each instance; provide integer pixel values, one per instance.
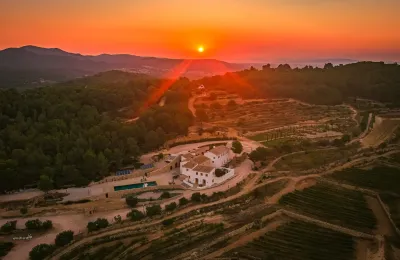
(384, 227)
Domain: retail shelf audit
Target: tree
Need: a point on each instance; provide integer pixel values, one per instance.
(170, 207)
(131, 200)
(135, 215)
(153, 210)
(117, 219)
(165, 195)
(168, 222)
(48, 224)
(231, 103)
(41, 251)
(202, 115)
(5, 247)
(23, 210)
(64, 238)
(237, 147)
(328, 66)
(196, 197)
(346, 138)
(215, 105)
(266, 67)
(34, 224)
(9, 226)
(97, 224)
(45, 183)
(183, 201)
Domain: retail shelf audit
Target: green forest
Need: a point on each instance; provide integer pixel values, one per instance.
(329, 85)
(74, 132)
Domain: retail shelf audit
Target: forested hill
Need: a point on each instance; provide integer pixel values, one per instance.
(74, 132)
(328, 85)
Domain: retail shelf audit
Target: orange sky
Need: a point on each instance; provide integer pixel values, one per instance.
(233, 30)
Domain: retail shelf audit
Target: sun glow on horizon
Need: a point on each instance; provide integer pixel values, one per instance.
(200, 49)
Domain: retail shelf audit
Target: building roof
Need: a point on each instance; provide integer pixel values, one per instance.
(201, 150)
(219, 150)
(187, 156)
(204, 169)
(200, 159)
(189, 165)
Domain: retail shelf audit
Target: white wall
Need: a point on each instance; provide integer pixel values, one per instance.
(208, 177)
(227, 176)
(218, 160)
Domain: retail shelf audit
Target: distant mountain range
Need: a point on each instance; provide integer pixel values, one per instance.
(31, 65)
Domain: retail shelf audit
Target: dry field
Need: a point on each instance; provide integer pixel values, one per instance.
(262, 115)
(382, 130)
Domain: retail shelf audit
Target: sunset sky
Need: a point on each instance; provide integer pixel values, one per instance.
(232, 30)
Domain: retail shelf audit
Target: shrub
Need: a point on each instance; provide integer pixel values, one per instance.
(183, 201)
(118, 219)
(170, 207)
(23, 210)
(153, 210)
(165, 195)
(168, 222)
(132, 201)
(135, 215)
(33, 224)
(237, 147)
(36, 224)
(196, 197)
(231, 103)
(9, 226)
(41, 251)
(47, 225)
(220, 172)
(64, 238)
(97, 224)
(5, 247)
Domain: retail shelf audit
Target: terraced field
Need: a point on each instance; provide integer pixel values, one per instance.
(264, 115)
(298, 241)
(310, 160)
(381, 178)
(393, 204)
(381, 131)
(332, 204)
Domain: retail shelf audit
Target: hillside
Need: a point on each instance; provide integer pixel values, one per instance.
(31, 66)
(74, 132)
(330, 85)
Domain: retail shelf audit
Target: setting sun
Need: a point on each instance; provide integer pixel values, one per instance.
(200, 49)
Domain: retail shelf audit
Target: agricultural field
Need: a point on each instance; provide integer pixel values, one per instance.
(178, 240)
(312, 159)
(382, 130)
(393, 204)
(380, 178)
(256, 116)
(332, 204)
(298, 241)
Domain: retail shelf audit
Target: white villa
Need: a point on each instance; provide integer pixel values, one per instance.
(204, 168)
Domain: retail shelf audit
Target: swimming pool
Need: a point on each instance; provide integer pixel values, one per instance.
(135, 186)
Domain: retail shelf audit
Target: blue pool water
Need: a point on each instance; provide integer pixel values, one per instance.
(135, 186)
